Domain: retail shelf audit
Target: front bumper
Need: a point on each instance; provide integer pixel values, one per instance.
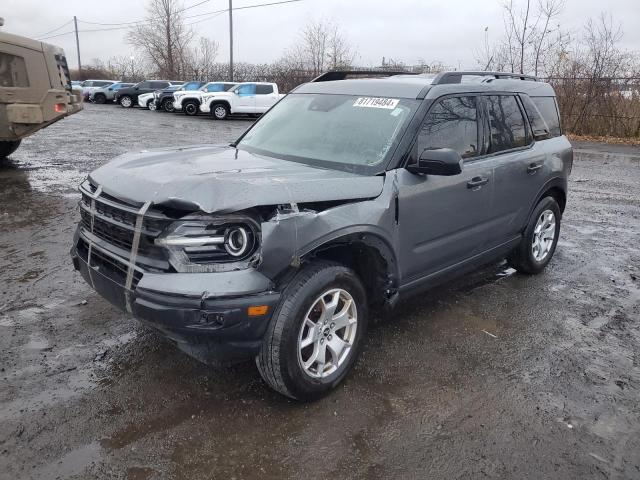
(205, 314)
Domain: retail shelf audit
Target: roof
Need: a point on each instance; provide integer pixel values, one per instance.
(422, 86)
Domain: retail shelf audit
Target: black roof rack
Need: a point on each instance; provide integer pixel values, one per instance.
(456, 77)
(343, 74)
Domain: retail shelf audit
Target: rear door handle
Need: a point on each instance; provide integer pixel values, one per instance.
(477, 182)
(534, 167)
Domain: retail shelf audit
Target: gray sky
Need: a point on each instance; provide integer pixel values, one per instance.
(407, 30)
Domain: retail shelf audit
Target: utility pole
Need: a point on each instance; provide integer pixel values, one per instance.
(231, 40)
(75, 24)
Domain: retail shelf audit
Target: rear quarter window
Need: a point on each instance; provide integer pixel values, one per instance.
(549, 110)
(13, 71)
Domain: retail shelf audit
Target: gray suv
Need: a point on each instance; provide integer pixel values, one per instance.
(347, 196)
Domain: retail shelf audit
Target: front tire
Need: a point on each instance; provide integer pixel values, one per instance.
(167, 105)
(220, 111)
(151, 105)
(539, 240)
(316, 332)
(100, 99)
(126, 101)
(190, 108)
(8, 147)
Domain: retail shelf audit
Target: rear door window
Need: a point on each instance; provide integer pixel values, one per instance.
(215, 87)
(13, 71)
(451, 123)
(264, 89)
(549, 110)
(247, 90)
(507, 124)
(158, 85)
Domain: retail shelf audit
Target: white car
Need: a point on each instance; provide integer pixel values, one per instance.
(145, 100)
(251, 98)
(189, 101)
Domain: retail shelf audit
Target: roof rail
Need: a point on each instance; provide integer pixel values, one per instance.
(343, 74)
(456, 77)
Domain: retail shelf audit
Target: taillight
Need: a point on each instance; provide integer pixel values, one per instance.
(60, 107)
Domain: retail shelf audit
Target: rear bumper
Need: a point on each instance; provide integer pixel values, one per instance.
(210, 328)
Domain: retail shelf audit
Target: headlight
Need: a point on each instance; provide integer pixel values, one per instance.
(219, 244)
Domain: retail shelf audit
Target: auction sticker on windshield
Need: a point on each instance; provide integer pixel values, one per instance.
(371, 102)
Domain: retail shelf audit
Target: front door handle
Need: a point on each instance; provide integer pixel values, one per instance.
(477, 182)
(533, 168)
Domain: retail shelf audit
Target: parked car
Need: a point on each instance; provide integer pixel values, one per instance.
(189, 102)
(345, 198)
(164, 98)
(107, 94)
(145, 100)
(89, 86)
(252, 99)
(128, 97)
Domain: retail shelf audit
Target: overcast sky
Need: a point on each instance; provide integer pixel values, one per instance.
(407, 30)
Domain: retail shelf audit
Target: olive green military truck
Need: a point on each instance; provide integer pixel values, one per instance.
(35, 89)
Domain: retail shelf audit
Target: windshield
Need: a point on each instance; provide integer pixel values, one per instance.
(332, 131)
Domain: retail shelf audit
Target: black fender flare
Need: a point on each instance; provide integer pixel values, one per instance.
(559, 183)
(369, 235)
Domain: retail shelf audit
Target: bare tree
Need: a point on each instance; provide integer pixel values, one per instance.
(530, 38)
(321, 46)
(126, 68)
(163, 38)
(200, 62)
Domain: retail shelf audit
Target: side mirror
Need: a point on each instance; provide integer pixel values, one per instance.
(438, 161)
(137, 88)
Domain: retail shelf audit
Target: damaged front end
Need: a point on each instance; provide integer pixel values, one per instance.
(211, 280)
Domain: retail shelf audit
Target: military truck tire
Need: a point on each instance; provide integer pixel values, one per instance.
(7, 147)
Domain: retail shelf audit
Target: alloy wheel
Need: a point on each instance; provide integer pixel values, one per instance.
(328, 333)
(544, 234)
(220, 112)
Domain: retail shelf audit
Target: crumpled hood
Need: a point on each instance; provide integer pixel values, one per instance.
(219, 178)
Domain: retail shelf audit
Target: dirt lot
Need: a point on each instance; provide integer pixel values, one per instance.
(496, 375)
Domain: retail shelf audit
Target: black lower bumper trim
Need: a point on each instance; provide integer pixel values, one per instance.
(210, 329)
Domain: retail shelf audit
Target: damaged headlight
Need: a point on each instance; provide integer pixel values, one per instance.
(211, 245)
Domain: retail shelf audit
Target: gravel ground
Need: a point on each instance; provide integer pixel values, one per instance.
(495, 375)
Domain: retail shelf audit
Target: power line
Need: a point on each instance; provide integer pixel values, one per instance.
(58, 35)
(142, 21)
(126, 25)
(55, 29)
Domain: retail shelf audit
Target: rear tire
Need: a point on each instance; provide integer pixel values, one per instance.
(190, 108)
(540, 238)
(300, 336)
(125, 101)
(151, 105)
(220, 111)
(100, 98)
(8, 147)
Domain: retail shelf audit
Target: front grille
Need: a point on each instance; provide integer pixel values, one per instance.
(111, 268)
(110, 223)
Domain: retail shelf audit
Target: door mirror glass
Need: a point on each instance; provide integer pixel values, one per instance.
(438, 161)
